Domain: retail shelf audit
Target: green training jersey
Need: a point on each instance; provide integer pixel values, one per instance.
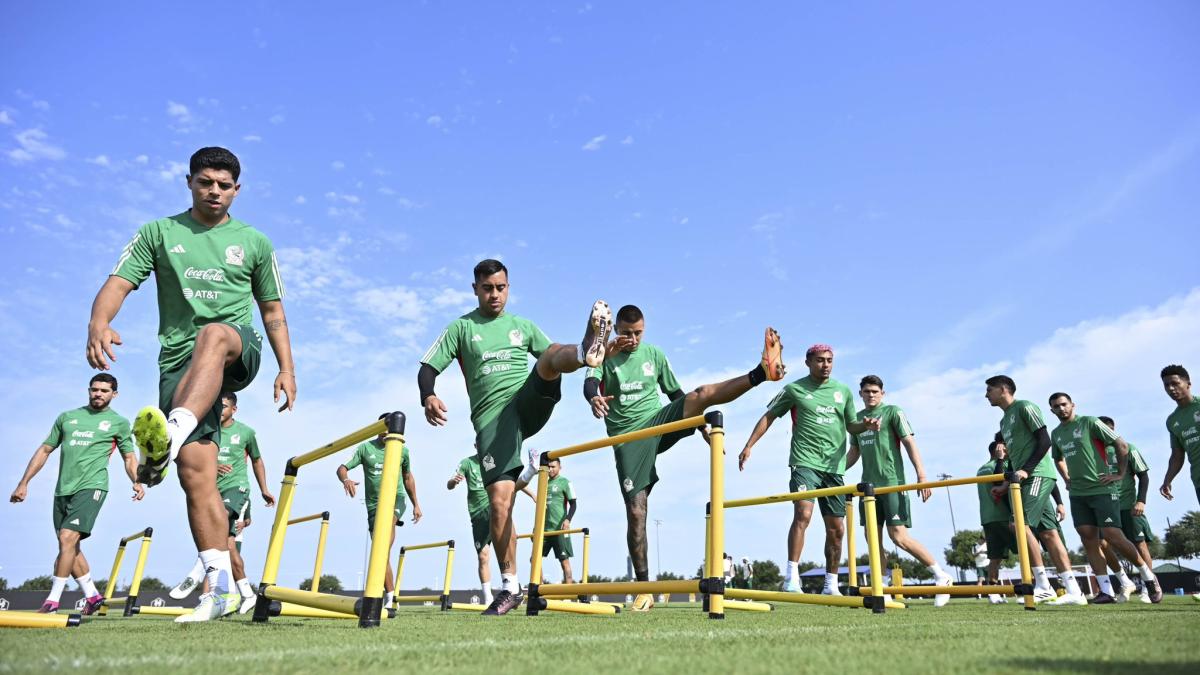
(820, 413)
(88, 437)
(1135, 465)
(1184, 427)
(204, 275)
(1082, 444)
(558, 493)
(991, 510)
(493, 353)
(477, 496)
(1019, 427)
(238, 442)
(634, 379)
(370, 456)
(882, 460)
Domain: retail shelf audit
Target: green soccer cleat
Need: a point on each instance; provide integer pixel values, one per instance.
(154, 444)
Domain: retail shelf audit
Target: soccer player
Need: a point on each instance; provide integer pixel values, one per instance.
(210, 269)
(1028, 444)
(560, 510)
(508, 402)
(370, 456)
(88, 436)
(822, 411)
(1134, 523)
(883, 465)
(625, 393)
(995, 517)
(238, 442)
(480, 512)
(1183, 425)
(1080, 449)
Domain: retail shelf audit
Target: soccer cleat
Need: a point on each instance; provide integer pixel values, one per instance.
(941, 599)
(772, 356)
(1041, 595)
(184, 588)
(1196, 597)
(150, 434)
(831, 590)
(1154, 589)
(48, 607)
(1069, 599)
(1144, 596)
(595, 339)
(792, 586)
(1103, 598)
(995, 598)
(504, 603)
(643, 603)
(1126, 592)
(247, 604)
(92, 605)
(212, 606)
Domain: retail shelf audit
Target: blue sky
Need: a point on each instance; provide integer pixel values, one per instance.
(941, 192)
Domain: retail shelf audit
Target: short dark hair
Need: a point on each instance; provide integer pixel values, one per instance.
(229, 395)
(630, 314)
(1176, 369)
(992, 448)
(553, 460)
(1059, 394)
(1002, 381)
(103, 377)
(999, 438)
(1108, 420)
(215, 158)
(487, 268)
(871, 379)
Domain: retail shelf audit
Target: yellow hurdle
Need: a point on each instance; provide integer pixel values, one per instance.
(315, 585)
(130, 601)
(443, 600)
(369, 608)
(15, 619)
(587, 539)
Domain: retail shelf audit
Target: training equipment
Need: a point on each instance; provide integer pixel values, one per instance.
(443, 600)
(15, 619)
(324, 517)
(129, 602)
(587, 546)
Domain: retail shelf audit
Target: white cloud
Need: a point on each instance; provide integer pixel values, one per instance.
(434, 121)
(340, 197)
(41, 105)
(766, 226)
(277, 118)
(337, 165)
(300, 199)
(407, 204)
(252, 138)
(386, 191)
(141, 159)
(179, 111)
(33, 146)
(5, 118)
(172, 171)
(628, 140)
(595, 143)
(100, 160)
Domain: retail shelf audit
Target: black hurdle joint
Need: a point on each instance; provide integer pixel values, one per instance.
(395, 422)
(1011, 476)
(544, 459)
(867, 489)
(402, 549)
(324, 515)
(445, 600)
(73, 620)
(148, 532)
(450, 544)
(391, 612)
(708, 508)
(291, 469)
(704, 603)
(584, 599)
(874, 603)
(262, 606)
(852, 589)
(534, 602)
(130, 606)
(713, 615)
(369, 611)
(587, 532)
(715, 419)
(137, 610)
(1023, 589)
(713, 585)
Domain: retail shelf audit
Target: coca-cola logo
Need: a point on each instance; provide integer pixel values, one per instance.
(210, 274)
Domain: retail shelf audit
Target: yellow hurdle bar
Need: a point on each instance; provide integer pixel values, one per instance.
(581, 607)
(444, 598)
(316, 577)
(802, 598)
(620, 587)
(897, 582)
(748, 605)
(791, 496)
(341, 604)
(872, 526)
(851, 541)
(305, 519)
(365, 434)
(660, 430)
(381, 537)
(716, 514)
(418, 598)
(1003, 589)
(1018, 510)
(15, 619)
(136, 583)
(466, 606)
(291, 609)
(970, 480)
(438, 544)
(553, 533)
(163, 611)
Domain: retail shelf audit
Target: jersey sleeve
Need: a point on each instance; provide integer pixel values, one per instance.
(355, 459)
(597, 372)
(568, 491)
(265, 281)
(538, 342)
(462, 465)
(137, 258)
(900, 424)
(1031, 415)
(404, 464)
(666, 377)
(54, 438)
(252, 446)
(1055, 452)
(124, 438)
(445, 348)
(1137, 463)
(781, 404)
(849, 414)
(1102, 431)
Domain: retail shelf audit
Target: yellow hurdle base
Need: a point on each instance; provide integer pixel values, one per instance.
(942, 590)
(150, 610)
(467, 607)
(582, 607)
(748, 605)
(15, 619)
(800, 598)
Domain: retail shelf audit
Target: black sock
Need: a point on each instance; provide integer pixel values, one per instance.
(757, 376)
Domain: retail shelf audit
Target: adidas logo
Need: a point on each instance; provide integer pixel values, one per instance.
(477, 338)
(178, 248)
(896, 517)
(1108, 520)
(74, 522)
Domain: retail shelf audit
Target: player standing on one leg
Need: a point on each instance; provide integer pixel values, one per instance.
(624, 391)
(1028, 445)
(210, 270)
(508, 403)
(88, 436)
(1133, 517)
(883, 466)
(480, 512)
(1080, 450)
(995, 516)
(370, 456)
(822, 411)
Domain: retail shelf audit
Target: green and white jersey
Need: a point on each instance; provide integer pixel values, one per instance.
(204, 275)
(1184, 427)
(238, 442)
(87, 438)
(634, 379)
(558, 493)
(493, 353)
(990, 510)
(1019, 427)
(1082, 443)
(477, 497)
(1128, 485)
(820, 414)
(370, 456)
(882, 459)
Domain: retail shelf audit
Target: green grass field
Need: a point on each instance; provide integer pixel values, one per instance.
(966, 636)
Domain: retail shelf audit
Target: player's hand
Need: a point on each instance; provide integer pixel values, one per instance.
(707, 437)
(268, 499)
(458, 478)
(139, 491)
(600, 406)
(873, 423)
(285, 383)
(350, 486)
(1021, 475)
(1165, 491)
(1139, 509)
(999, 492)
(1110, 478)
(618, 345)
(223, 469)
(743, 457)
(1060, 512)
(925, 493)
(416, 514)
(19, 494)
(101, 339)
(239, 526)
(435, 411)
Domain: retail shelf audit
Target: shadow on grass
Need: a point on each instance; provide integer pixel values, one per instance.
(1088, 666)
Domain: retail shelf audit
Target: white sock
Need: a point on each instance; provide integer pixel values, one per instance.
(831, 580)
(56, 589)
(180, 424)
(1105, 584)
(197, 571)
(509, 583)
(1146, 573)
(87, 585)
(1040, 579)
(244, 587)
(388, 598)
(217, 568)
(579, 354)
(937, 570)
(487, 592)
(1068, 580)
(793, 570)
(1124, 578)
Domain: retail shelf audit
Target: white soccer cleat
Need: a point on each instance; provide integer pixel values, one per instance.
(247, 604)
(941, 599)
(184, 588)
(1144, 596)
(595, 338)
(1069, 599)
(212, 606)
(1126, 592)
(792, 586)
(1041, 595)
(831, 590)
(995, 598)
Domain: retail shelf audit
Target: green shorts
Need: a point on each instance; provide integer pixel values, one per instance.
(1000, 540)
(891, 509)
(636, 459)
(235, 500)
(78, 511)
(238, 376)
(1037, 504)
(371, 518)
(804, 478)
(481, 528)
(1096, 510)
(1136, 528)
(498, 443)
(561, 544)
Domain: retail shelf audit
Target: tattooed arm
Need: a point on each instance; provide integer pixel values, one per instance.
(275, 323)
